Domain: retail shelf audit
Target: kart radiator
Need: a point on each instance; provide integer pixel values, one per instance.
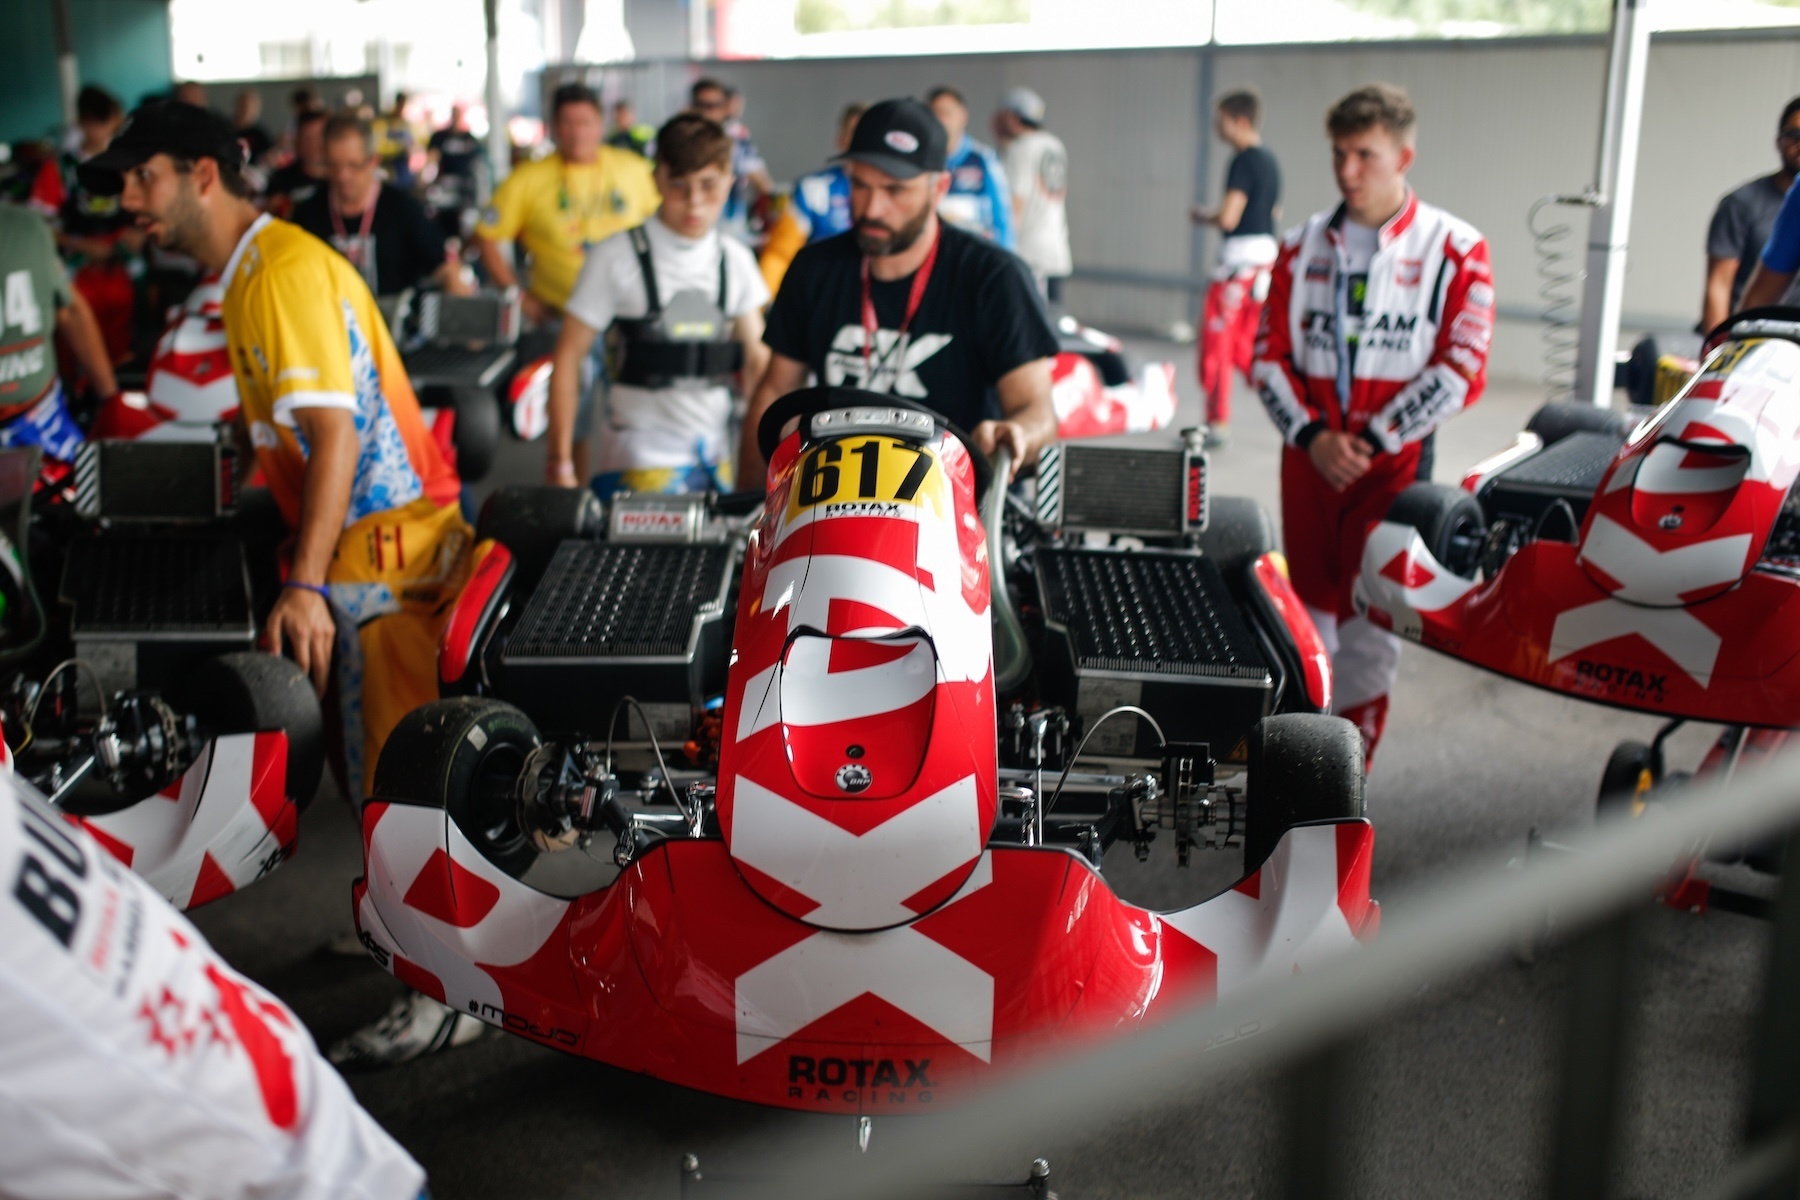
(1158, 629)
(1147, 485)
(145, 608)
(1568, 470)
(612, 620)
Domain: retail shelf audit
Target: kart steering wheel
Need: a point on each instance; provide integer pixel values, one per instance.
(809, 401)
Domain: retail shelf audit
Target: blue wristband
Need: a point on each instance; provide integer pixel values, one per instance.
(317, 589)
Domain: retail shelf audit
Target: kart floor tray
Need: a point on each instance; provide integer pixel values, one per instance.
(610, 620)
(170, 586)
(1568, 470)
(457, 366)
(1154, 628)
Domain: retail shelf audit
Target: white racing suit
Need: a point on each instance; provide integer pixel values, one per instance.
(135, 1063)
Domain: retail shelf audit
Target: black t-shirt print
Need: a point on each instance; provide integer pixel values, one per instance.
(1255, 173)
(980, 317)
(406, 245)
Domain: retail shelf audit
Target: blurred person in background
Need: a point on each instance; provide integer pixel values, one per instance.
(559, 207)
(681, 308)
(1376, 332)
(979, 199)
(1037, 170)
(1245, 220)
(295, 184)
(384, 232)
(628, 133)
(818, 207)
(99, 240)
(190, 93)
(750, 175)
(247, 116)
(395, 144)
(1741, 225)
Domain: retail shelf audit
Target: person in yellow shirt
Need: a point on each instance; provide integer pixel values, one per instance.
(380, 549)
(559, 206)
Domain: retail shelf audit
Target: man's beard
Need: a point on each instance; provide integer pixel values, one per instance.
(897, 241)
(184, 228)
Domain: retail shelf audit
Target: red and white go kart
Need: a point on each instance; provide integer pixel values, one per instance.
(873, 873)
(1649, 565)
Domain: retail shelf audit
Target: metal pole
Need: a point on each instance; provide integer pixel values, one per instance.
(1203, 159)
(68, 73)
(499, 144)
(1775, 1090)
(1596, 1047)
(1609, 228)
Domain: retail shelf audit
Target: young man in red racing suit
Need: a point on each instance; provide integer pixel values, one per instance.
(1376, 331)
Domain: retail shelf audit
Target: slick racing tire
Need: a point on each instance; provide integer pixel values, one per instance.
(1448, 519)
(1558, 419)
(1625, 784)
(464, 755)
(250, 692)
(1238, 532)
(1303, 767)
(477, 433)
(532, 521)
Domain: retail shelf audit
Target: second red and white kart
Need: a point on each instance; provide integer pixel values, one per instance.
(843, 853)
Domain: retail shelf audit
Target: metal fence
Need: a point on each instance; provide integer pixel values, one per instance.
(1593, 894)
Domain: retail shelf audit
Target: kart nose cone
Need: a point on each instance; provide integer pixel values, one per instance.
(856, 713)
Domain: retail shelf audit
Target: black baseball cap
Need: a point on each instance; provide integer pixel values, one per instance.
(163, 127)
(901, 137)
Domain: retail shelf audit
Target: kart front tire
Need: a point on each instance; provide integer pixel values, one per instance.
(1558, 419)
(464, 755)
(1303, 767)
(250, 692)
(477, 433)
(1238, 532)
(1449, 520)
(1631, 771)
(532, 521)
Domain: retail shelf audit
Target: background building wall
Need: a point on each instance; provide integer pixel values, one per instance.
(1502, 123)
(123, 45)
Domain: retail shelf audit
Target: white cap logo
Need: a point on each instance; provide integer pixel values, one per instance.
(901, 140)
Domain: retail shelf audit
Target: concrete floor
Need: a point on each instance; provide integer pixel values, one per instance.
(1455, 1093)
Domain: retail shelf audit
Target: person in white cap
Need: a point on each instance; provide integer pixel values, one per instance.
(1037, 168)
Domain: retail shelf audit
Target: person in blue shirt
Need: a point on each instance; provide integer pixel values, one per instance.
(979, 200)
(1773, 276)
(819, 207)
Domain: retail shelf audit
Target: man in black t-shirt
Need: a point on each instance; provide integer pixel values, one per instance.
(1246, 218)
(453, 151)
(1741, 224)
(296, 183)
(957, 322)
(382, 230)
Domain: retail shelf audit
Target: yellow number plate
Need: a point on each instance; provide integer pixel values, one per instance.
(862, 476)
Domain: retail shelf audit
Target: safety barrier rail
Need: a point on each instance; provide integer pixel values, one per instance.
(1598, 891)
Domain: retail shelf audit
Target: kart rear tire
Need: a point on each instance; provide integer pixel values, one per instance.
(250, 692)
(532, 521)
(1448, 519)
(477, 433)
(1631, 771)
(464, 755)
(1558, 419)
(1238, 532)
(1303, 767)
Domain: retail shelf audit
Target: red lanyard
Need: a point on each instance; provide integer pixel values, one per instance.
(921, 279)
(368, 216)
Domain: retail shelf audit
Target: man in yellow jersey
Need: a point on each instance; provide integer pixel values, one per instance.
(379, 547)
(559, 206)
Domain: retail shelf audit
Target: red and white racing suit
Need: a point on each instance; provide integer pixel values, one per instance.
(135, 1063)
(1391, 369)
(1231, 317)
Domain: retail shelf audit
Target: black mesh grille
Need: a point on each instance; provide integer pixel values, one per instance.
(1575, 463)
(169, 584)
(601, 600)
(1165, 614)
(1114, 488)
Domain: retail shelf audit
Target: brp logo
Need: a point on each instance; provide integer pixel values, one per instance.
(854, 778)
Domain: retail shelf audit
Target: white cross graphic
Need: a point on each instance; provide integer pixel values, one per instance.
(878, 372)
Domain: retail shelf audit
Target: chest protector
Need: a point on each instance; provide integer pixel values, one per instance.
(687, 340)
